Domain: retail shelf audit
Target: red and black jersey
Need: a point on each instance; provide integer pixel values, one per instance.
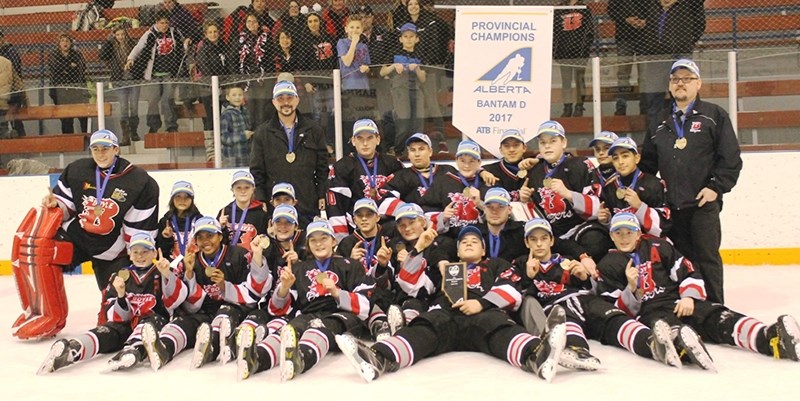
(254, 223)
(147, 292)
(653, 214)
(552, 284)
(409, 186)
(506, 173)
(493, 283)
(449, 189)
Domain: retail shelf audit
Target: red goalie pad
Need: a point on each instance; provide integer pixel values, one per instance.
(36, 260)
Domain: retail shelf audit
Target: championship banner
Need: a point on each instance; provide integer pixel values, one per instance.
(503, 63)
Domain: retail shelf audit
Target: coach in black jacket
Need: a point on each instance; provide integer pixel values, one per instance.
(696, 150)
(304, 164)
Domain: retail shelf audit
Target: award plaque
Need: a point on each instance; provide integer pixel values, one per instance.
(454, 282)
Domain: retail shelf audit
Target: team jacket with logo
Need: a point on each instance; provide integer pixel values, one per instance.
(245, 282)
(130, 206)
(309, 296)
(565, 217)
(254, 223)
(407, 187)
(147, 292)
(450, 189)
(348, 182)
(491, 282)
(653, 214)
(665, 276)
(552, 284)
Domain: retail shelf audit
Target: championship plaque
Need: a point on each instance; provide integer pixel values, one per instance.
(454, 282)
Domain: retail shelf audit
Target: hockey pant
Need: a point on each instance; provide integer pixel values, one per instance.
(36, 258)
(114, 336)
(440, 331)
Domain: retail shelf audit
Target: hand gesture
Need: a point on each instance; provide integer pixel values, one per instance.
(310, 88)
(119, 285)
(684, 307)
(259, 243)
(604, 214)
(475, 195)
(532, 266)
(705, 195)
(223, 219)
(218, 277)
(488, 178)
(383, 254)
(449, 211)
(578, 270)
(287, 279)
(270, 229)
(358, 251)
(525, 192)
(330, 286)
(632, 198)
(189, 263)
(632, 274)
(162, 264)
(528, 163)
(425, 239)
(590, 266)
(398, 68)
(167, 232)
(469, 306)
(402, 255)
(49, 200)
(290, 256)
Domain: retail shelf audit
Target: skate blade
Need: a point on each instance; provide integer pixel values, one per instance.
(244, 340)
(557, 341)
(662, 332)
(48, 366)
(288, 348)
(349, 348)
(149, 338)
(201, 345)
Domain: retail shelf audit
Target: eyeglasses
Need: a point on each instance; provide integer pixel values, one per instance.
(685, 80)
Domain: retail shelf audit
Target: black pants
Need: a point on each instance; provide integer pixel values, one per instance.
(697, 234)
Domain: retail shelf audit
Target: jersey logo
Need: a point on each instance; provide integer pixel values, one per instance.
(696, 126)
(315, 289)
(571, 21)
(554, 206)
(141, 304)
(102, 224)
(474, 278)
(119, 195)
(165, 45)
(514, 67)
(548, 288)
(466, 211)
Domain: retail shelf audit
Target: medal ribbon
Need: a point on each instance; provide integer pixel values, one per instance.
(633, 182)
(494, 245)
(323, 266)
(548, 172)
(466, 184)
(679, 115)
(370, 247)
(370, 177)
(426, 183)
(290, 135)
(636, 262)
(512, 168)
(183, 236)
(215, 262)
(237, 229)
(101, 186)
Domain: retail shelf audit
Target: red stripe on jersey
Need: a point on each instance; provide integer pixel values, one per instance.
(196, 295)
(355, 306)
(282, 311)
(505, 295)
(256, 285)
(621, 305)
(699, 288)
(411, 278)
(169, 301)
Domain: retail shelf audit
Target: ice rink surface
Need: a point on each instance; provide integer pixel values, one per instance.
(762, 292)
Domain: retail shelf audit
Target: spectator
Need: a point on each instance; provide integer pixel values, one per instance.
(114, 52)
(335, 18)
(671, 31)
(235, 23)
(6, 83)
(354, 64)
(17, 100)
(573, 34)
(68, 80)
(157, 57)
(291, 21)
(629, 20)
(399, 14)
(210, 57)
(235, 132)
(181, 19)
(382, 46)
(286, 58)
(254, 60)
(323, 59)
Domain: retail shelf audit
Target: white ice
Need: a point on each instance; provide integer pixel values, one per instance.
(762, 292)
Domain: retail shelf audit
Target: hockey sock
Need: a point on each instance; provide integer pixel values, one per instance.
(633, 336)
(750, 333)
(376, 314)
(410, 314)
(315, 344)
(396, 349)
(519, 349)
(174, 339)
(88, 349)
(268, 352)
(575, 336)
(275, 325)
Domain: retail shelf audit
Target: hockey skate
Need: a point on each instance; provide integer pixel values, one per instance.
(544, 360)
(203, 347)
(156, 351)
(691, 347)
(396, 318)
(246, 355)
(368, 363)
(380, 330)
(291, 356)
(574, 357)
(785, 339)
(63, 353)
(661, 345)
(126, 358)
(226, 341)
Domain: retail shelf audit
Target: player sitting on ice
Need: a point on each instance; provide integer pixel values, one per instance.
(146, 291)
(651, 280)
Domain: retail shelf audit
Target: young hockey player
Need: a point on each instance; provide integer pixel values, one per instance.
(245, 217)
(175, 228)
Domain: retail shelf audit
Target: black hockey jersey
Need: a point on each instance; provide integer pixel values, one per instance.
(309, 296)
(349, 182)
(370, 244)
(654, 214)
(450, 189)
(245, 282)
(491, 282)
(254, 223)
(665, 276)
(565, 216)
(419, 277)
(275, 252)
(129, 205)
(409, 186)
(147, 292)
(181, 234)
(552, 284)
(506, 174)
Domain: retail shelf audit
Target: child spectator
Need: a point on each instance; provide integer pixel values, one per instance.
(114, 52)
(354, 65)
(235, 131)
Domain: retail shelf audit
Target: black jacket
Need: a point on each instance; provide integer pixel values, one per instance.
(684, 25)
(711, 158)
(573, 34)
(309, 171)
(108, 55)
(619, 10)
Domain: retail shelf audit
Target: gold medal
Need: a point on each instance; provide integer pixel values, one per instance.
(321, 277)
(566, 264)
(124, 274)
(522, 173)
(373, 193)
(98, 210)
(547, 181)
(680, 143)
(290, 157)
(467, 192)
(621, 193)
(400, 246)
(209, 271)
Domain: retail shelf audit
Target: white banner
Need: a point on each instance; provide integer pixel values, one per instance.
(503, 68)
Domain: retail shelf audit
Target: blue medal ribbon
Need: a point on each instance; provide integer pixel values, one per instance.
(370, 177)
(290, 135)
(237, 229)
(636, 262)
(324, 265)
(678, 115)
(512, 168)
(215, 262)
(101, 185)
(633, 182)
(548, 171)
(370, 247)
(466, 184)
(426, 183)
(183, 236)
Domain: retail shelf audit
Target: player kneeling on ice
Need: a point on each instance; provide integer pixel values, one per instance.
(225, 283)
(145, 292)
(552, 279)
(479, 323)
(650, 279)
(320, 298)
